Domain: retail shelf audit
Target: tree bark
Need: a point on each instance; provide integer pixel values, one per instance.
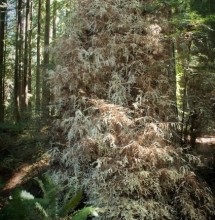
(2, 51)
(26, 62)
(54, 27)
(17, 62)
(38, 56)
(21, 57)
(45, 88)
(30, 51)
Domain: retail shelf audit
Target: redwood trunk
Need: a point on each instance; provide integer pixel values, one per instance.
(2, 68)
(45, 89)
(38, 57)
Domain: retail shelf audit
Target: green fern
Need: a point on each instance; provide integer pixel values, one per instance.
(72, 203)
(21, 207)
(26, 207)
(84, 213)
(49, 200)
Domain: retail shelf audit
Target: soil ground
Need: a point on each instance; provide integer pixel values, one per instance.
(22, 156)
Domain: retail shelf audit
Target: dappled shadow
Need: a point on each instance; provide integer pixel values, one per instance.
(205, 149)
(17, 177)
(24, 173)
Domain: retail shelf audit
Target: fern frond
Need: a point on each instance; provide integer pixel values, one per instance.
(71, 204)
(84, 213)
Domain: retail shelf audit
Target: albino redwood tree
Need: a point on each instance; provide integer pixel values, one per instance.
(114, 92)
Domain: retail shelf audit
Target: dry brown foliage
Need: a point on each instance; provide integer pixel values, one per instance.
(113, 93)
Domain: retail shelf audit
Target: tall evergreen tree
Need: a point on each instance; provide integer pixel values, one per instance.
(21, 48)
(45, 87)
(26, 56)
(38, 70)
(54, 18)
(17, 68)
(2, 51)
(30, 51)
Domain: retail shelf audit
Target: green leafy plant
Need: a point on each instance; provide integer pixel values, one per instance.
(23, 205)
(71, 204)
(84, 213)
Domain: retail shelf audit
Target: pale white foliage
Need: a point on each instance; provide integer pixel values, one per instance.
(114, 99)
(26, 195)
(117, 90)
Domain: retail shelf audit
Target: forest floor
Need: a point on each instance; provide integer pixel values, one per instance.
(22, 156)
(25, 172)
(205, 149)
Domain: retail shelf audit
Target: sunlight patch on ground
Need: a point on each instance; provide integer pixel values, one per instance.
(26, 171)
(206, 140)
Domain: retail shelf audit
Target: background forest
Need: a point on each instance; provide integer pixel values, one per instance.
(107, 109)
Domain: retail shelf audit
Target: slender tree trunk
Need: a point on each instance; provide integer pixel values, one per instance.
(26, 53)
(21, 58)
(38, 56)
(5, 67)
(54, 34)
(2, 47)
(54, 27)
(30, 50)
(45, 92)
(17, 67)
(183, 59)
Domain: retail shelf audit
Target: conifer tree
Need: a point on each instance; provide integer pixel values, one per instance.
(45, 88)
(38, 68)
(2, 51)
(114, 92)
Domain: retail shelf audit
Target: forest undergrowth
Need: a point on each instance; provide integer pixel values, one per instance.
(22, 146)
